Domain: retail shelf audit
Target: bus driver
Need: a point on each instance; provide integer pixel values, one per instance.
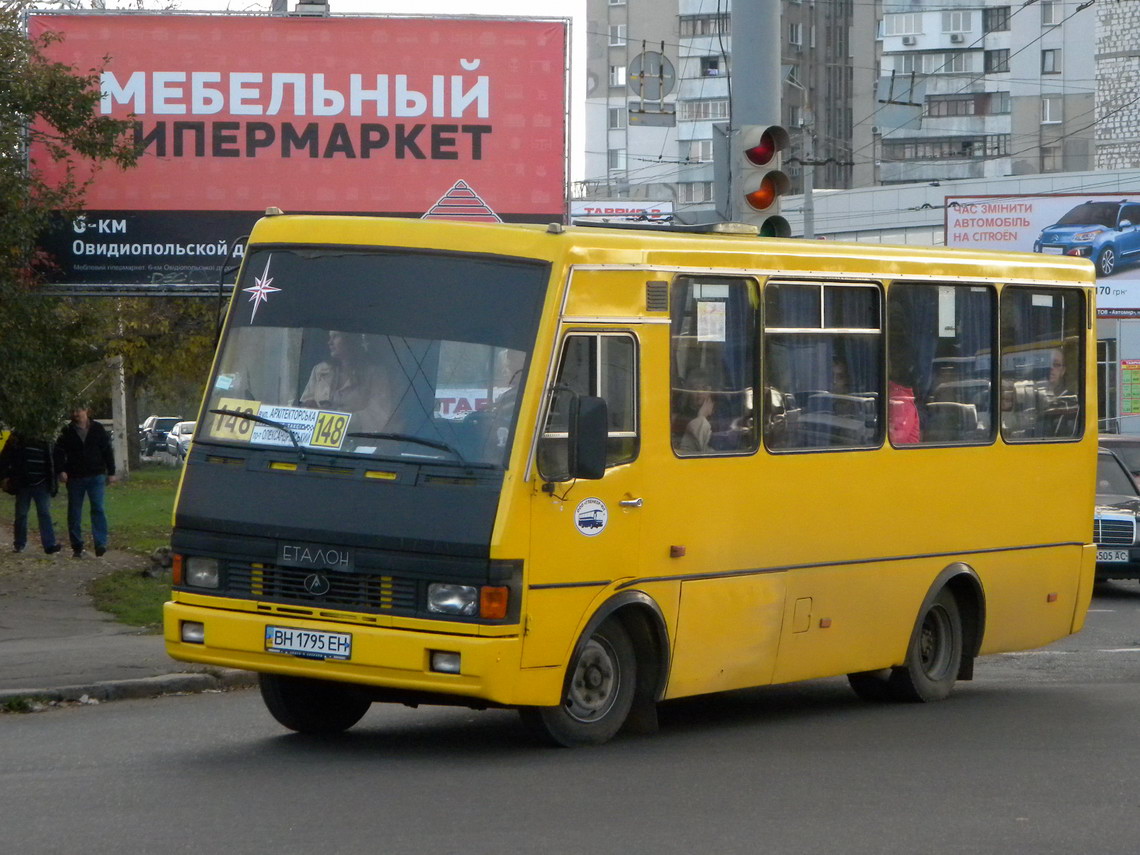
(349, 383)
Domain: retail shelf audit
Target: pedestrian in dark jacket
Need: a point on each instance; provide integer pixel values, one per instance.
(86, 465)
(29, 467)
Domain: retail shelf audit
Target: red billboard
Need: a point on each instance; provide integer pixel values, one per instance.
(463, 118)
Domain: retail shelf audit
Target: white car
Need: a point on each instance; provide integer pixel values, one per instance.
(178, 440)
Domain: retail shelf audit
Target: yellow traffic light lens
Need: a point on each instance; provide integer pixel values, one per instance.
(764, 196)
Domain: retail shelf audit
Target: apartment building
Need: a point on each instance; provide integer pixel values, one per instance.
(659, 77)
(984, 89)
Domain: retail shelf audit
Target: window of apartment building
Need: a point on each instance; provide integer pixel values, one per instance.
(997, 61)
(704, 25)
(617, 75)
(792, 73)
(795, 116)
(957, 22)
(617, 2)
(1051, 159)
(968, 104)
(1051, 13)
(617, 118)
(796, 34)
(704, 110)
(615, 159)
(947, 148)
(694, 191)
(697, 151)
(1051, 109)
(617, 35)
(907, 24)
(1051, 61)
(995, 20)
(956, 62)
(712, 66)
(938, 106)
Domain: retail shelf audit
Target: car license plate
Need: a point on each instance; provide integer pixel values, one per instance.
(1112, 556)
(1052, 250)
(309, 643)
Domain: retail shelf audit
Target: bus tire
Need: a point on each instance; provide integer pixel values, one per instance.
(935, 653)
(312, 706)
(598, 693)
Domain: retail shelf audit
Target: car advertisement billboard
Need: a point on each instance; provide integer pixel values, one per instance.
(1104, 228)
(461, 118)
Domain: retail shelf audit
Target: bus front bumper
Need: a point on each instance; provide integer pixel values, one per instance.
(396, 659)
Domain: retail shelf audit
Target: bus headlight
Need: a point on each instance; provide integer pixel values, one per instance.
(453, 599)
(201, 572)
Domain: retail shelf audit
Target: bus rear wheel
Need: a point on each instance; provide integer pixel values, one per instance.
(932, 661)
(312, 706)
(598, 693)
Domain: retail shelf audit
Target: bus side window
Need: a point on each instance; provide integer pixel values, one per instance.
(604, 365)
(940, 366)
(1042, 347)
(713, 366)
(823, 364)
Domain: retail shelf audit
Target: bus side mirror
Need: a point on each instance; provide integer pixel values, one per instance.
(589, 432)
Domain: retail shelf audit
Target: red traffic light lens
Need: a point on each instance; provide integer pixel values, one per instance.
(763, 151)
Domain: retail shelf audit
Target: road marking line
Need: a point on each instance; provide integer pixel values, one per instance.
(1121, 650)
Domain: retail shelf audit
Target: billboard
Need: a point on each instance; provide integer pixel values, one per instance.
(461, 118)
(1104, 228)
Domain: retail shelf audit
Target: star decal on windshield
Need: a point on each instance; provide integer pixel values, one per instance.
(261, 290)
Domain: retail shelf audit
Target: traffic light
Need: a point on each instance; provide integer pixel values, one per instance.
(762, 182)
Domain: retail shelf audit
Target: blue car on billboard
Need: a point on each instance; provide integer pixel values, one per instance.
(1107, 233)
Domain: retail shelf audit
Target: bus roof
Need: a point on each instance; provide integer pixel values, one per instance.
(654, 247)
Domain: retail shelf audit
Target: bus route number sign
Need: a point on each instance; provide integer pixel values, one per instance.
(329, 430)
(233, 427)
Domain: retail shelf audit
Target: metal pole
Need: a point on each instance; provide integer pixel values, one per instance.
(754, 80)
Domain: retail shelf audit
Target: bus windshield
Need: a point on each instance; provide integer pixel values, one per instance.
(400, 355)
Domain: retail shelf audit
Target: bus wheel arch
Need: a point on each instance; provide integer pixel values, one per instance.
(626, 634)
(946, 637)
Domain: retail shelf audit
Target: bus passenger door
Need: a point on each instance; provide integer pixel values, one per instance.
(584, 533)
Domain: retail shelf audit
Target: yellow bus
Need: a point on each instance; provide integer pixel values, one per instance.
(580, 471)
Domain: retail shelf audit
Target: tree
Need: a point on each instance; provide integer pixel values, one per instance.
(48, 112)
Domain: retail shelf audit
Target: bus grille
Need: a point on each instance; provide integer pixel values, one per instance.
(356, 591)
(1108, 532)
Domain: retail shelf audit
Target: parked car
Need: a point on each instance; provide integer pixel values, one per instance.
(1127, 448)
(178, 440)
(1114, 525)
(1107, 233)
(152, 433)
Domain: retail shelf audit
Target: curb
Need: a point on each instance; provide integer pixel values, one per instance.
(142, 687)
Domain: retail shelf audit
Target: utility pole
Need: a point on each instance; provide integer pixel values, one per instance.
(809, 171)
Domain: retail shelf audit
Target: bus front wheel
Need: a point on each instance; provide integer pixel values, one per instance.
(932, 660)
(598, 694)
(312, 706)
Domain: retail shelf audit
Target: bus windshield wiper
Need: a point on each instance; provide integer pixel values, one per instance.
(403, 437)
(262, 420)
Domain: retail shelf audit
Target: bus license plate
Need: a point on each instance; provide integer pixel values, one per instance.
(309, 643)
(1112, 556)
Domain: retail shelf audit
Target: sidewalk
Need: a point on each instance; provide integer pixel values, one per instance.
(55, 645)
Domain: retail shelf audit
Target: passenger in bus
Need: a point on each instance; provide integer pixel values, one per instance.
(696, 414)
(902, 412)
(1059, 414)
(348, 382)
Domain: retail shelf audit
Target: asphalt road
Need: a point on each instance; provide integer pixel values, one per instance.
(1038, 755)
